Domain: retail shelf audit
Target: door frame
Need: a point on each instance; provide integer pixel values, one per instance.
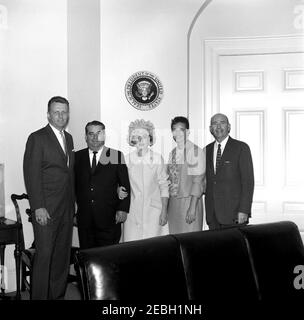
(214, 48)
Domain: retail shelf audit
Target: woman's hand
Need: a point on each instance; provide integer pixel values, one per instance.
(191, 213)
(122, 193)
(163, 218)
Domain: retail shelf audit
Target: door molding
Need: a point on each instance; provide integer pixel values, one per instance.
(213, 49)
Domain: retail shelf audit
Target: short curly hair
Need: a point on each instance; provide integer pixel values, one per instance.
(142, 124)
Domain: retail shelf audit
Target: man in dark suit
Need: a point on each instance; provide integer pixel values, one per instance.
(48, 176)
(229, 177)
(98, 172)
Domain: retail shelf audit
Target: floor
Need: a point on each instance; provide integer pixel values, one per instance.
(72, 293)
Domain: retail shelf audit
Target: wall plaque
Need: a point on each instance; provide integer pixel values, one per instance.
(144, 91)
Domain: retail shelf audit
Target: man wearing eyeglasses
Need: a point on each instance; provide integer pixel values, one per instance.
(229, 177)
(98, 172)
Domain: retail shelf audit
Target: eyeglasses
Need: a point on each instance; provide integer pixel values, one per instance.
(135, 139)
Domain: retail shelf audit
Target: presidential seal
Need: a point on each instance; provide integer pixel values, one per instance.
(144, 90)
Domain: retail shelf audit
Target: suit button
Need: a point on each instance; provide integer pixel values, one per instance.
(92, 189)
(214, 182)
(92, 201)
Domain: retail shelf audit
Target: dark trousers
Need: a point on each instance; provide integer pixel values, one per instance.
(52, 257)
(93, 236)
(213, 223)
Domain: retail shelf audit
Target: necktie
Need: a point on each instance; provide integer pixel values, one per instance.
(173, 174)
(94, 162)
(65, 147)
(218, 157)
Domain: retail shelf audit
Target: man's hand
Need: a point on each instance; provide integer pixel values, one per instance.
(121, 216)
(41, 216)
(242, 217)
(122, 193)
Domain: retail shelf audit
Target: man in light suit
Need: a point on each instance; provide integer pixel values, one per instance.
(229, 177)
(48, 176)
(98, 172)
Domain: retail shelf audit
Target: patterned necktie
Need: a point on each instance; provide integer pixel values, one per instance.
(218, 157)
(94, 162)
(65, 147)
(173, 174)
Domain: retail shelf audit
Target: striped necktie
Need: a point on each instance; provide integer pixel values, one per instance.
(218, 157)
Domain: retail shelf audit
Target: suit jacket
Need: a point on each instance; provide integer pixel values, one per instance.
(96, 194)
(230, 190)
(49, 181)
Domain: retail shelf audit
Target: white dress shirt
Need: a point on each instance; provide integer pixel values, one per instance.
(223, 145)
(98, 154)
(58, 136)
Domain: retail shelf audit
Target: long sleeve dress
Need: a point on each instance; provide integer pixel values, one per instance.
(149, 182)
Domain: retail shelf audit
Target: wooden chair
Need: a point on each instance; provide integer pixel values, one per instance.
(28, 253)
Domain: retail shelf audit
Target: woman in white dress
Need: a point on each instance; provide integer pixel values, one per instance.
(149, 185)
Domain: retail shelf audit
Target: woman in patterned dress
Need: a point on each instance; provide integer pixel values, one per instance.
(186, 169)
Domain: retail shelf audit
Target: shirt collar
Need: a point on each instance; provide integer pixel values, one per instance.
(56, 131)
(98, 152)
(223, 143)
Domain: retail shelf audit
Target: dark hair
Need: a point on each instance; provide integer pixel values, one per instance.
(58, 99)
(180, 119)
(94, 123)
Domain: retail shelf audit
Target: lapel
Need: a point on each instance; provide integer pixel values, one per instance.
(56, 143)
(104, 157)
(103, 160)
(68, 145)
(86, 161)
(210, 157)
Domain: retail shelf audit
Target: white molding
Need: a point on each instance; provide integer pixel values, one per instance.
(293, 207)
(259, 208)
(259, 182)
(214, 49)
(292, 72)
(258, 74)
(286, 114)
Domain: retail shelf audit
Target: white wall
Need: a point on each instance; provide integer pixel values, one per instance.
(143, 35)
(33, 67)
(235, 18)
(83, 65)
(56, 48)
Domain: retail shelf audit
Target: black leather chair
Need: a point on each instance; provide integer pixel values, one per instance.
(28, 253)
(235, 267)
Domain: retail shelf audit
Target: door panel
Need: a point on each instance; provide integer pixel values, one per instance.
(263, 96)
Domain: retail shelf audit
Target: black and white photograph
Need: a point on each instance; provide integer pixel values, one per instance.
(152, 158)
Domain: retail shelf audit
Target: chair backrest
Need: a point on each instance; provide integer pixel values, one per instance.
(15, 198)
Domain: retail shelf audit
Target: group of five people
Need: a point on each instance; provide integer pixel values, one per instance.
(139, 192)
